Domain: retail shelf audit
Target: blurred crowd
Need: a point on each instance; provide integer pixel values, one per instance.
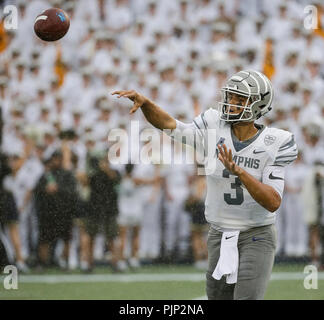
(62, 202)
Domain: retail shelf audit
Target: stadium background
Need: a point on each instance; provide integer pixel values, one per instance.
(56, 97)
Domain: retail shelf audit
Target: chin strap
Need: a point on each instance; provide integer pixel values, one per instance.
(238, 120)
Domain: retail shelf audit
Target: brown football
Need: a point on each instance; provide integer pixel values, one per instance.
(52, 24)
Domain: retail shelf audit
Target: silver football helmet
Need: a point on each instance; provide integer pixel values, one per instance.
(255, 87)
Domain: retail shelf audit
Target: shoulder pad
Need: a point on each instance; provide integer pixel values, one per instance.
(284, 148)
(208, 119)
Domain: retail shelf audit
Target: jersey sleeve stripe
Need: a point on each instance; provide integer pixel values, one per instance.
(204, 120)
(283, 163)
(290, 149)
(289, 155)
(199, 130)
(288, 144)
(287, 152)
(194, 121)
(286, 159)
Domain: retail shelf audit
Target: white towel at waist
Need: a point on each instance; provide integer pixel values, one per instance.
(228, 261)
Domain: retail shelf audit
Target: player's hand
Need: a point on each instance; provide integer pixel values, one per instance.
(136, 97)
(225, 156)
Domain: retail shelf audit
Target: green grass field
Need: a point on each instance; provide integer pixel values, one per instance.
(149, 283)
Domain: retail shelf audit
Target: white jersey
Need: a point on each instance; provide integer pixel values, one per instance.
(19, 185)
(228, 204)
(145, 171)
(130, 208)
(128, 197)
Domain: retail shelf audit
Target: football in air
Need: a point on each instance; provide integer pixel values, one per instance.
(52, 24)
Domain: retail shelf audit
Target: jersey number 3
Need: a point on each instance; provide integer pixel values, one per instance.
(238, 199)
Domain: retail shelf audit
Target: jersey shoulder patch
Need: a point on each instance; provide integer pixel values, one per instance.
(274, 136)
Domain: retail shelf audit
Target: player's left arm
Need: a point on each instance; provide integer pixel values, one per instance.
(266, 195)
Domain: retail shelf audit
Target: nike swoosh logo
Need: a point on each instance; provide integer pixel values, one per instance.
(257, 239)
(229, 237)
(272, 177)
(256, 152)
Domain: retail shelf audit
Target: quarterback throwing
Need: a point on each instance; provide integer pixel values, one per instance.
(245, 189)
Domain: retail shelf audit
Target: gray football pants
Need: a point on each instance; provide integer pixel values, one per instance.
(256, 256)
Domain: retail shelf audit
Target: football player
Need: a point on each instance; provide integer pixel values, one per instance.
(245, 189)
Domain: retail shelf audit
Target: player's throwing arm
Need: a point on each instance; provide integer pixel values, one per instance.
(152, 112)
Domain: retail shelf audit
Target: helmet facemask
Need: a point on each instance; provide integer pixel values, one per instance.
(246, 112)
